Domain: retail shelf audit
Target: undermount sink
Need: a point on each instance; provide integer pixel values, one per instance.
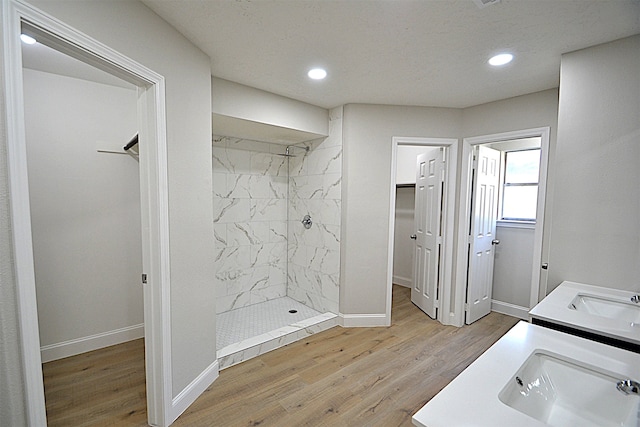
(627, 312)
(607, 315)
(562, 392)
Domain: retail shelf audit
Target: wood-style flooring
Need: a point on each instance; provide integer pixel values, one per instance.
(104, 387)
(340, 377)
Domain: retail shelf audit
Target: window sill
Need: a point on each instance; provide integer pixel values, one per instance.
(516, 224)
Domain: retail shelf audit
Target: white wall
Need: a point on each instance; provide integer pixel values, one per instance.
(595, 235)
(135, 31)
(368, 132)
(85, 212)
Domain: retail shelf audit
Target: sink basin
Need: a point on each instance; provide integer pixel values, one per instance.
(562, 392)
(566, 381)
(607, 315)
(609, 308)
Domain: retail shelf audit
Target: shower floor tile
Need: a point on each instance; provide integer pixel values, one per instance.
(246, 322)
(257, 329)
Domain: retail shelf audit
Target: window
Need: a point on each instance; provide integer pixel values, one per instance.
(520, 186)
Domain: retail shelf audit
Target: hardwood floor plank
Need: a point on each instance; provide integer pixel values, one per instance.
(339, 377)
(101, 387)
(234, 409)
(356, 349)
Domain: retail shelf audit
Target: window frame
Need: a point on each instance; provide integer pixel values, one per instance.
(503, 184)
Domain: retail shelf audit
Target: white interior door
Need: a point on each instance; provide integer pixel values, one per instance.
(484, 213)
(427, 225)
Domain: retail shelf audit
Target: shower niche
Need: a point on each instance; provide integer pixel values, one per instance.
(277, 280)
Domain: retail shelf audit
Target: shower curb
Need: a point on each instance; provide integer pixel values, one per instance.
(261, 344)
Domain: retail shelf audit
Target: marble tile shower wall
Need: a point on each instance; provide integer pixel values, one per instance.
(250, 181)
(263, 251)
(315, 180)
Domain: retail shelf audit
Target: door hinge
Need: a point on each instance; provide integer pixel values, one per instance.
(466, 307)
(144, 278)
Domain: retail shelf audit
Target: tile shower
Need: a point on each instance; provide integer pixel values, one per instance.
(267, 263)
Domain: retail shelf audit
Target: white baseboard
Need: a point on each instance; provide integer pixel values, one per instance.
(186, 397)
(407, 282)
(93, 342)
(510, 309)
(364, 320)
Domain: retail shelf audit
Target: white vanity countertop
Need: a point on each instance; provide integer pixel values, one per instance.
(555, 308)
(471, 399)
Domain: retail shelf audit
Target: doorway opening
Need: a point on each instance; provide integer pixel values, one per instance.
(502, 213)
(85, 217)
(19, 18)
(421, 222)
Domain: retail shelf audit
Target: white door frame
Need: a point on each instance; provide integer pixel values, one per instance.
(154, 204)
(465, 211)
(445, 294)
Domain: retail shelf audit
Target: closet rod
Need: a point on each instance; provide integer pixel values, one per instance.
(131, 143)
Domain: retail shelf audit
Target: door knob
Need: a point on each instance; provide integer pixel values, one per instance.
(413, 237)
(495, 242)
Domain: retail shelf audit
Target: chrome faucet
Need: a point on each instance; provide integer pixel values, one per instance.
(628, 387)
(635, 299)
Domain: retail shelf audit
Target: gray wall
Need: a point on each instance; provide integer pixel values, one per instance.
(366, 191)
(85, 211)
(368, 132)
(135, 31)
(512, 265)
(538, 109)
(595, 235)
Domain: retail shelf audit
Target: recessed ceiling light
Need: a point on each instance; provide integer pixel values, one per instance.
(27, 39)
(317, 74)
(501, 59)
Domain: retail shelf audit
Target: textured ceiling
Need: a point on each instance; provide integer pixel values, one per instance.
(403, 52)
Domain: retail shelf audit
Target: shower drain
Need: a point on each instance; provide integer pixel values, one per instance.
(293, 311)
